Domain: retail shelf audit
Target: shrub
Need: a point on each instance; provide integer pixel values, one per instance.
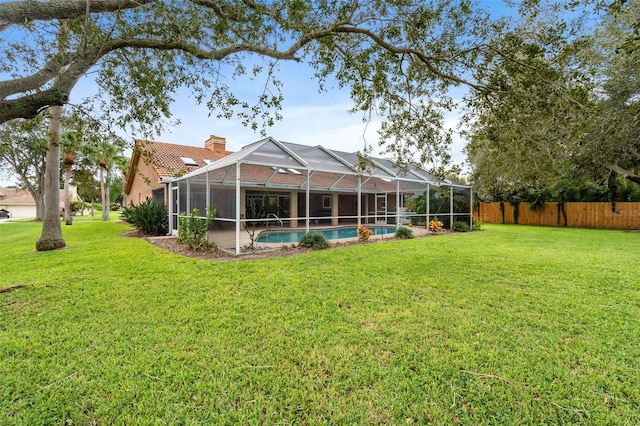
(435, 225)
(404, 233)
(364, 233)
(315, 241)
(460, 226)
(193, 228)
(477, 224)
(148, 216)
(76, 206)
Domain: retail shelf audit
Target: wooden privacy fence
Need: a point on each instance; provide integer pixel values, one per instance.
(578, 215)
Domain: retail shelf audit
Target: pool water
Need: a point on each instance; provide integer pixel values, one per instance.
(330, 234)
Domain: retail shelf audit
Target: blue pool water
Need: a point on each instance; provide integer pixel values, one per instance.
(330, 234)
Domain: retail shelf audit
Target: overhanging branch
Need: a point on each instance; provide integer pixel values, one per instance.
(620, 171)
(18, 12)
(425, 59)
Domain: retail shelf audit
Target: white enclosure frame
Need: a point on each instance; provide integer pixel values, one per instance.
(272, 166)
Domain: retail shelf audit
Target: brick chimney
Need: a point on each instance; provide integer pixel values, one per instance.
(216, 144)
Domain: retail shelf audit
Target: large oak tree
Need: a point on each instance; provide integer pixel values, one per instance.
(398, 58)
(566, 125)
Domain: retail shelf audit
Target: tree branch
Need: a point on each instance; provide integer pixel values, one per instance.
(421, 56)
(630, 176)
(35, 80)
(18, 12)
(192, 49)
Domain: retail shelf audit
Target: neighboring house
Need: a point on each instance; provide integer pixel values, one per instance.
(154, 164)
(21, 204)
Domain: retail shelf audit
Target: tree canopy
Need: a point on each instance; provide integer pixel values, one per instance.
(565, 125)
(397, 58)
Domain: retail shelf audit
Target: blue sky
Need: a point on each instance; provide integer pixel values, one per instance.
(309, 118)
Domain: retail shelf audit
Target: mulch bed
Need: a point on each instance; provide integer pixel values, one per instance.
(214, 253)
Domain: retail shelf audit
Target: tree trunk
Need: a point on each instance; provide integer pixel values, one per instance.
(104, 199)
(107, 197)
(51, 237)
(67, 202)
(39, 199)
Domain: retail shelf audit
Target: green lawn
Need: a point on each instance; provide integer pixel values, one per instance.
(510, 325)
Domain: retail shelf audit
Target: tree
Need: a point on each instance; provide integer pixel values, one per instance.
(565, 126)
(88, 186)
(361, 42)
(398, 58)
(109, 154)
(614, 137)
(70, 143)
(23, 149)
(520, 140)
(51, 235)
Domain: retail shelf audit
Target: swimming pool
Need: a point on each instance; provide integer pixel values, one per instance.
(329, 233)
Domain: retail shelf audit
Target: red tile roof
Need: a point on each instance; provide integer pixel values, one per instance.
(165, 157)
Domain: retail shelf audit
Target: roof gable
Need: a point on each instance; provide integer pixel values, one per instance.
(169, 160)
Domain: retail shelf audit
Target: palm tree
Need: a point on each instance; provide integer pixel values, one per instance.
(70, 143)
(109, 154)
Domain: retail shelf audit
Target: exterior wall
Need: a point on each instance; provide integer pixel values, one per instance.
(316, 207)
(144, 182)
(19, 211)
(579, 215)
(21, 204)
(294, 209)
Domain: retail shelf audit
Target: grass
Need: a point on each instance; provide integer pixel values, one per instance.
(510, 325)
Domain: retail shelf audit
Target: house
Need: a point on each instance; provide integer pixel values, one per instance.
(283, 184)
(21, 204)
(154, 164)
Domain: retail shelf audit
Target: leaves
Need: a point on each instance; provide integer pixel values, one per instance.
(540, 136)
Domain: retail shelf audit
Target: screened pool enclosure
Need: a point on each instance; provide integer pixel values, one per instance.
(272, 184)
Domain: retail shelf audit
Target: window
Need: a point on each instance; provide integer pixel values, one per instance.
(207, 162)
(188, 161)
(283, 171)
(295, 172)
(326, 201)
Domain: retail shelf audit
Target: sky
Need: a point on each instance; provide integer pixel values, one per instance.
(309, 118)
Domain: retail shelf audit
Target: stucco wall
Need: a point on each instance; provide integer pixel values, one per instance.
(20, 211)
(144, 182)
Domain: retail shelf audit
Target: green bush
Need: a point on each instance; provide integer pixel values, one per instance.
(76, 206)
(478, 224)
(148, 216)
(404, 233)
(460, 226)
(315, 241)
(193, 228)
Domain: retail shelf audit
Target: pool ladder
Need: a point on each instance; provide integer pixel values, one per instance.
(277, 218)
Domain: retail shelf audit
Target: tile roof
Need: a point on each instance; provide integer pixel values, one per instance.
(15, 196)
(165, 158)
